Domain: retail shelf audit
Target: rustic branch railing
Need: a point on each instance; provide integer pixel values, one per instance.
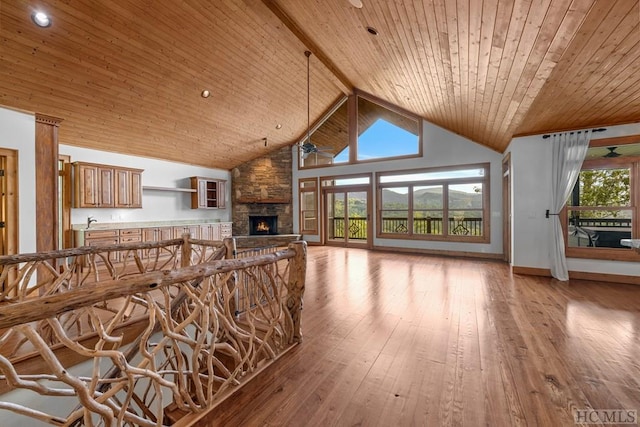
(187, 349)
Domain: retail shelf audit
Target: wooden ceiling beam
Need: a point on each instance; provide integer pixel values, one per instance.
(343, 83)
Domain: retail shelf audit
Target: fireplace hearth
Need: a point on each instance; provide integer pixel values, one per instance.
(263, 225)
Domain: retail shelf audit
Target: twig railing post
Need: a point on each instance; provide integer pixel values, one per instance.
(230, 244)
(185, 260)
(295, 286)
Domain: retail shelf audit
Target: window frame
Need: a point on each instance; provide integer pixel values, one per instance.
(445, 182)
(301, 210)
(352, 126)
(633, 162)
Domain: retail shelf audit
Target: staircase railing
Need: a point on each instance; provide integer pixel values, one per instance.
(162, 345)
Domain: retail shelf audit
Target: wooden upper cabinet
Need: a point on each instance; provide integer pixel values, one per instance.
(104, 186)
(128, 188)
(210, 193)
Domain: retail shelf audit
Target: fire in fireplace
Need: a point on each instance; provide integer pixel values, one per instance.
(263, 224)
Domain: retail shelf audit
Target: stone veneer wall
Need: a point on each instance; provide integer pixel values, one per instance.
(263, 186)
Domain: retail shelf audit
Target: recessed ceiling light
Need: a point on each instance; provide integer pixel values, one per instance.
(205, 93)
(41, 19)
(372, 30)
(356, 3)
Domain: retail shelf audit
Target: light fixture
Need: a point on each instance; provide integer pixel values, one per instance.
(41, 19)
(278, 126)
(372, 31)
(205, 93)
(356, 3)
(308, 55)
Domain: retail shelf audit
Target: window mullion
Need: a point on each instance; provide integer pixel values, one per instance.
(445, 208)
(410, 211)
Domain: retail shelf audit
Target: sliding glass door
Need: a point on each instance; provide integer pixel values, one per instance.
(347, 213)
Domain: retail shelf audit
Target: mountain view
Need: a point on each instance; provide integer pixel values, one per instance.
(428, 198)
(431, 198)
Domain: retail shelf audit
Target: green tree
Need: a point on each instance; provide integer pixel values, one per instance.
(605, 187)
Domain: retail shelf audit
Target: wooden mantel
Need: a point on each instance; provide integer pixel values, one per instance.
(249, 200)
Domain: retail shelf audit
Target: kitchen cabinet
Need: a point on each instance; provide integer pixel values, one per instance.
(157, 233)
(98, 237)
(105, 186)
(215, 231)
(101, 238)
(225, 230)
(210, 232)
(130, 235)
(210, 193)
(128, 188)
(193, 230)
(93, 186)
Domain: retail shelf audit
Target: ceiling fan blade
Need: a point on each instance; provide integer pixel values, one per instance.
(612, 152)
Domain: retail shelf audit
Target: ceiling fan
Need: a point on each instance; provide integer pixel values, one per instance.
(307, 147)
(612, 152)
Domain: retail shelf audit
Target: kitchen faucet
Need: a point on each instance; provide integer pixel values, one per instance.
(90, 219)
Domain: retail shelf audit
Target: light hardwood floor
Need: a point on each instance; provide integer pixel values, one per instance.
(410, 340)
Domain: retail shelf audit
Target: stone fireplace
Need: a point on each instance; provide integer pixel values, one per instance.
(263, 225)
(263, 188)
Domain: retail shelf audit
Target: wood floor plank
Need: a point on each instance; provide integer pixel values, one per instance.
(414, 340)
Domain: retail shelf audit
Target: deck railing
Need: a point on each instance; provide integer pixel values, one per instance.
(392, 225)
(172, 340)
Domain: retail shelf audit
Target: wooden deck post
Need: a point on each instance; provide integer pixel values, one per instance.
(295, 286)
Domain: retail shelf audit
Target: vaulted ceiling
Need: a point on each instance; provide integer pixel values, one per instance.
(127, 75)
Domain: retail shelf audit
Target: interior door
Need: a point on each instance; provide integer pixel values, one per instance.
(348, 217)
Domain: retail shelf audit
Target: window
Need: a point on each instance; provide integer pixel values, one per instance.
(379, 131)
(308, 190)
(602, 208)
(329, 143)
(437, 204)
(384, 134)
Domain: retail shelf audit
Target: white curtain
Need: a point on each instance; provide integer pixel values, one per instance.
(569, 150)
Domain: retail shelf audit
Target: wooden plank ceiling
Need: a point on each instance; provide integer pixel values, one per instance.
(126, 76)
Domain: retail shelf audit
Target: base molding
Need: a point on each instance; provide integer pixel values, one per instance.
(579, 275)
(531, 271)
(460, 254)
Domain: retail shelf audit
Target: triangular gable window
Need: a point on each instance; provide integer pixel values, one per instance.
(383, 133)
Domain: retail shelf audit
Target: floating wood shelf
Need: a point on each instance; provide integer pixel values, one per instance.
(247, 200)
(181, 190)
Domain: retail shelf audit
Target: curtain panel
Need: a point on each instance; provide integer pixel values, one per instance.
(569, 151)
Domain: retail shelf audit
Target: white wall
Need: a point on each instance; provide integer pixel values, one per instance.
(156, 205)
(440, 148)
(531, 183)
(17, 132)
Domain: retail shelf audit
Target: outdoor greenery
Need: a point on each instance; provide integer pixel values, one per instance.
(604, 187)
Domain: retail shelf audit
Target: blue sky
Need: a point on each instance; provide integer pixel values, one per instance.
(382, 139)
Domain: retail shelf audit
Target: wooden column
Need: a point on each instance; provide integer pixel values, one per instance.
(295, 286)
(46, 182)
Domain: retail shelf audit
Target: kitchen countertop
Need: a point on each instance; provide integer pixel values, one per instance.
(144, 224)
